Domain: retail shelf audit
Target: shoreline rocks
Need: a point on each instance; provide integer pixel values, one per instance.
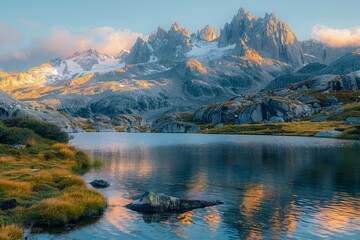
(169, 124)
(328, 134)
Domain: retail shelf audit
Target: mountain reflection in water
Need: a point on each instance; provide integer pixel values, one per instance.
(272, 187)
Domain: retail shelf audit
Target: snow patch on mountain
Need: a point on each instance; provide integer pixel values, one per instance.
(208, 50)
(81, 64)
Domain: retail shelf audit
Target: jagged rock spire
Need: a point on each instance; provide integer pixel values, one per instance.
(208, 33)
(268, 36)
(140, 52)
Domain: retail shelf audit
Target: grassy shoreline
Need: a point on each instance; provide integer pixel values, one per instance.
(39, 185)
(301, 129)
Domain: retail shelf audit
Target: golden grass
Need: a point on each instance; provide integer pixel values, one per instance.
(43, 181)
(306, 128)
(66, 152)
(73, 204)
(45, 176)
(10, 232)
(303, 128)
(60, 145)
(14, 189)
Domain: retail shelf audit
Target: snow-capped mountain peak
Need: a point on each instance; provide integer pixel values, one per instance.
(82, 63)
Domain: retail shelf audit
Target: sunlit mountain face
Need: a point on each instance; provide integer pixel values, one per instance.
(171, 70)
(124, 129)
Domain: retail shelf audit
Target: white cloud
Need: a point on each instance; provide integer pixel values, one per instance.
(62, 42)
(337, 37)
(104, 39)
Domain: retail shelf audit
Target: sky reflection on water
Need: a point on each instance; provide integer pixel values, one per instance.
(272, 187)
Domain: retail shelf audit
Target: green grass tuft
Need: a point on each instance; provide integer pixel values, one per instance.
(97, 163)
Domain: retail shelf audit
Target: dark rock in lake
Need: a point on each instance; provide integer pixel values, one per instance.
(98, 183)
(8, 204)
(154, 203)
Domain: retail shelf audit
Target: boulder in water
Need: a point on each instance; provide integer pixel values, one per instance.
(99, 183)
(151, 202)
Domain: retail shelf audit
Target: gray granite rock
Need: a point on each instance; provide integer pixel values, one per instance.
(169, 124)
(275, 119)
(277, 41)
(328, 134)
(352, 120)
(157, 203)
(99, 183)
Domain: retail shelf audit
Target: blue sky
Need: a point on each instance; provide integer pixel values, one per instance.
(27, 25)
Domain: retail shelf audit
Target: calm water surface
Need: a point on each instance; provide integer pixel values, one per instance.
(272, 187)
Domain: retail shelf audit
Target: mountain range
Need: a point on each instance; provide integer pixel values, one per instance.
(177, 71)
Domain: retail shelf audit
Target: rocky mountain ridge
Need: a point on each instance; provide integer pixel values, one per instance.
(174, 70)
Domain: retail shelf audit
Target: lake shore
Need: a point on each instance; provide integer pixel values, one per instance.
(301, 129)
(39, 184)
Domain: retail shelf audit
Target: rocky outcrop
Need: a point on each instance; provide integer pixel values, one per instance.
(157, 203)
(169, 124)
(163, 45)
(218, 113)
(129, 123)
(348, 63)
(328, 134)
(317, 52)
(325, 83)
(343, 74)
(11, 107)
(269, 36)
(352, 120)
(266, 110)
(139, 53)
(261, 110)
(301, 75)
(102, 127)
(208, 33)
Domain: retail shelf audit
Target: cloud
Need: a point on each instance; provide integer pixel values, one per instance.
(104, 39)
(62, 42)
(337, 37)
(8, 34)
